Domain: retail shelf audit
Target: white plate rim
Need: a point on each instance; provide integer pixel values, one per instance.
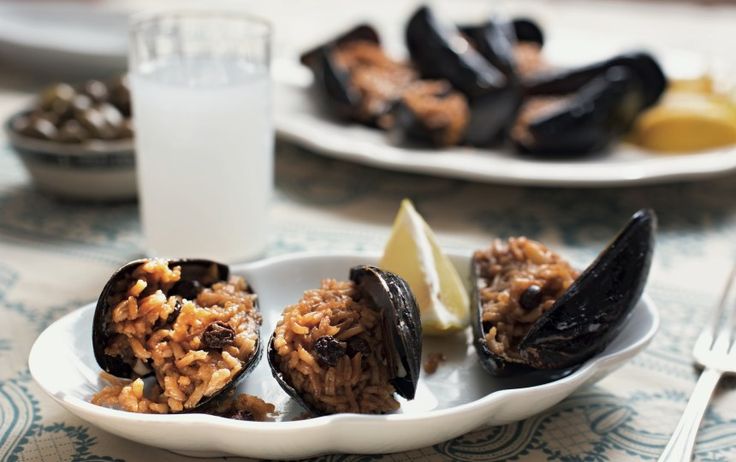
(693, 166)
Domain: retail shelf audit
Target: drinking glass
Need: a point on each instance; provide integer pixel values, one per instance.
(201, 96)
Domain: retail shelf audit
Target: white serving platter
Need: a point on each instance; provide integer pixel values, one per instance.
(300, 120)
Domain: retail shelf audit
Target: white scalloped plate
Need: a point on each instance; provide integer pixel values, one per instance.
(458, 398)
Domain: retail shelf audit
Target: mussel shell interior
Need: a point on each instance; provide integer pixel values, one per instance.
(273, 364)
(401, 324)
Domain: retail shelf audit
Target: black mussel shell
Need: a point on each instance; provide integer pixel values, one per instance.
(589, 315)
(400, 322)
(592, 118)
(361, 32)
(272, 357)
(491, 117)
(333, 82)
(400, 319)
(493, 363)
(595, 308)
(195, 273)
(494, 40)
(642, 66)
(441, 52)
(527, 30)
(410, 122)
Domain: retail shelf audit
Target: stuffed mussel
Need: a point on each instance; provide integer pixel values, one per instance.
(584, 110)
(430, 111)
(535, 312)
(356, 80)
(188, 322)
(642, 65)
(349, 346)
(441, 51)
(513, 46)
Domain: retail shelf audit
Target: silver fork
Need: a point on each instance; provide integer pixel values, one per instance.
(715, 351)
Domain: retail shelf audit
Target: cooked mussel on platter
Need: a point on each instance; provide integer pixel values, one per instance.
(188, 323)
(349, 346)
(513, 46)
(355, 78)
(440, 51)
(357, 81)
(578, 111)
(532, 310)
(485, 84)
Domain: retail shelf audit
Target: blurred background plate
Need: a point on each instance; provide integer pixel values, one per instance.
(76, 40)
(70, 39)
(299, 120)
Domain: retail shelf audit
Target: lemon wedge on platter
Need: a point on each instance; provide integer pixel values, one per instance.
(413, 253)
(685, 122)
(691, 116)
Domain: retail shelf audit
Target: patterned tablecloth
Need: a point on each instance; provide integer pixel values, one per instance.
(55, 256)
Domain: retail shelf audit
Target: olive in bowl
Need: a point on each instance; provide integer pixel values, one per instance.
(77, 141)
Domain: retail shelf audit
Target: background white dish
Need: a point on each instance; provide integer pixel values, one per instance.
(458, 398)
(300, 120)
(70, 39)
(77, 40)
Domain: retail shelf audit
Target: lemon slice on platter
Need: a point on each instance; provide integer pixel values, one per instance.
(687, 121)
(413, 253)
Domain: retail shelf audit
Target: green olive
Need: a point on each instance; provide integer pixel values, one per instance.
(41, 128)
(112, 115)
(57, 98)
(120, 94)
(95, 123)
(72, 132)
(125, 131)
(81, 103)
(96, 90)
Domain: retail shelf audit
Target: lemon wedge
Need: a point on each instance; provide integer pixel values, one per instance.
(687, 121)
(703, 84)
(412, 252)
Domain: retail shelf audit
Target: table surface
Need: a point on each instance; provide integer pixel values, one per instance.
(55, 256)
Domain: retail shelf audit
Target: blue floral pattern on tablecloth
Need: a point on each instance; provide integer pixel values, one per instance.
(55, 255)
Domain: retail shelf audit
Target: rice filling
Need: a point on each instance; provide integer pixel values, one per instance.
(329, 348)
(194, 339)
(519, 281)
(379, 79)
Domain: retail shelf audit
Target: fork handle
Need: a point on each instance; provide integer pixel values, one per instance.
(681, 445)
